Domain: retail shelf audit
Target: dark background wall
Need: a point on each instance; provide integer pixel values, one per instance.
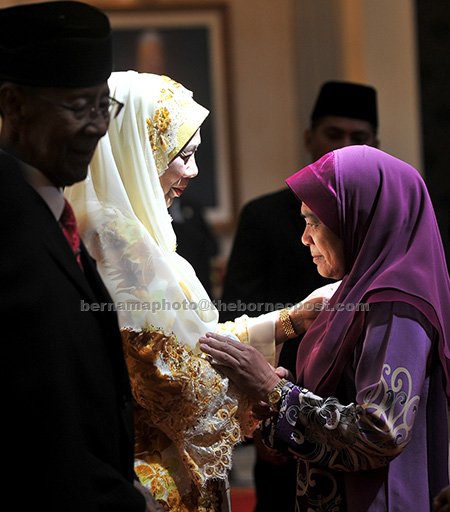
(433, 28)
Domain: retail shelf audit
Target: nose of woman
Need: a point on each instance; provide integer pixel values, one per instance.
(306, 237)
(191, 170)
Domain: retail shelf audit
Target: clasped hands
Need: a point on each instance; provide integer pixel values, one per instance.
(243, 364)
(247, 367)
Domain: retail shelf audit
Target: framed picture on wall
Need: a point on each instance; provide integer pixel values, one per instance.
(188, 44)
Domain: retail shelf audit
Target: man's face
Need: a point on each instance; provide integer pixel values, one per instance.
(57, 140)
(334, 132)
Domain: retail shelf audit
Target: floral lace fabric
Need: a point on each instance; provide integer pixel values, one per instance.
(158, 467)
(187, 403)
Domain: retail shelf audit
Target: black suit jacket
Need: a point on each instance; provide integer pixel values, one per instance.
(68, 398)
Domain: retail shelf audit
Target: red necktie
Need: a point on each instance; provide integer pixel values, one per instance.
(70, 230)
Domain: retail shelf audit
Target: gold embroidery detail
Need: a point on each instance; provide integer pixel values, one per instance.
(187, 399)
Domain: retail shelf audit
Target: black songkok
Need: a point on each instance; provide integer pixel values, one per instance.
(347, 99)
(55, 44)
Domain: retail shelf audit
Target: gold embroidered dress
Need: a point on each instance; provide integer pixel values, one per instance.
(187, 418)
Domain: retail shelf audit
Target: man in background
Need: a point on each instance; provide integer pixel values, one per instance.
(69, 437)
(269, 265)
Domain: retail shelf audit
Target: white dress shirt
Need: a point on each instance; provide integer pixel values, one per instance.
(53, 196)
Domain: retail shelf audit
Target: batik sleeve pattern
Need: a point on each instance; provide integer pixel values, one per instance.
(356, 436)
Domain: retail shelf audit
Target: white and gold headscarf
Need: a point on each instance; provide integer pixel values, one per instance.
(122, 213)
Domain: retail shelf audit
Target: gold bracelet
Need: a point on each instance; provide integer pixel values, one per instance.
(287, 324)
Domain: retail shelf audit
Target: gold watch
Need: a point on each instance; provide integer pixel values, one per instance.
(275, 395)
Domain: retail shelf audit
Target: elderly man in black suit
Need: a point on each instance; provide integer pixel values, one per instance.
(69, 431)
(269, 265)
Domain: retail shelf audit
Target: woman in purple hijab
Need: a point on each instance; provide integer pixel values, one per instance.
(367, 417)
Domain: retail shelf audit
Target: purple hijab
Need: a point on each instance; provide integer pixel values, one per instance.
(380, 208)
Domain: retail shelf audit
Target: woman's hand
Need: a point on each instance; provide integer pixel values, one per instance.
(283, 373)
(304, 313)
(262, 410)
(324, 292)
(243, 364)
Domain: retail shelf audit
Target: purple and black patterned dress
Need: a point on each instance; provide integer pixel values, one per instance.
(381, 443)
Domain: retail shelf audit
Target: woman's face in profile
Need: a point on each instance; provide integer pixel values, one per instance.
(181, 169)
(326, 248)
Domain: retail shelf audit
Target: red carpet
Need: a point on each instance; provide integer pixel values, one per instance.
(242, 499)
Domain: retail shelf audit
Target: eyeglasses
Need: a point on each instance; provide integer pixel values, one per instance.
(108, 107)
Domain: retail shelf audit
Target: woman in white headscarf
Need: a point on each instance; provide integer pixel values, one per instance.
(187, 419)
